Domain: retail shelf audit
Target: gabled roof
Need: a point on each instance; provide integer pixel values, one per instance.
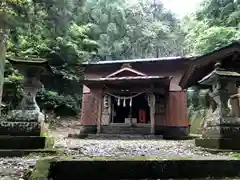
(203, 65)
(126, 68)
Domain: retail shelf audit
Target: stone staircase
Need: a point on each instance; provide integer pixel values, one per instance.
(125, 130)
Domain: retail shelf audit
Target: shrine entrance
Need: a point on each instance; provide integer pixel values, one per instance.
(132, 110)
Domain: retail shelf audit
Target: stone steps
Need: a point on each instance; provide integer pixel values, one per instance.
(136, 168)
(125, 130)
(123, 136)
(20, 138)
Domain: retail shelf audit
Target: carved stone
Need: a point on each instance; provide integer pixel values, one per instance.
(28, 109)
(27, 118)
(221, 124)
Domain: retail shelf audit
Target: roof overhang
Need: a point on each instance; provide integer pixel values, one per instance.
(217, 74)
(137, 60)
(203, 65)
(117, 63)
(33, 62)
(128, 81)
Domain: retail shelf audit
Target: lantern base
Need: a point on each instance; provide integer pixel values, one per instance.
(25, 116)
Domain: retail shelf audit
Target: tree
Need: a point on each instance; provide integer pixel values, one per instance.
(56, 36)
(11, 11)
(214, 25)
(132, 30)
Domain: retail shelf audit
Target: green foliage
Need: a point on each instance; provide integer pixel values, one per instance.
(41, 169)
(68, 33)
(214, 25)
(132, 30)
(71, 32)
(58, 37)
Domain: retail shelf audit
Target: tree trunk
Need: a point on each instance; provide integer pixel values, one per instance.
(3, 41)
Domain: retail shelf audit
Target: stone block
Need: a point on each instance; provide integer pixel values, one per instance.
(20, 128)
(88, 129)
(22, 142)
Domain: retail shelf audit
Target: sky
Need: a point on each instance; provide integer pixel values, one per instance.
(181, 7)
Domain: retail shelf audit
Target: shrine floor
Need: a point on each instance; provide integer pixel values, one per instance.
(14, 168)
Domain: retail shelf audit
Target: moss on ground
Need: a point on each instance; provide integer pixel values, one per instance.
(41, 170)
(49, 141)
(236, 155)
(106, 158)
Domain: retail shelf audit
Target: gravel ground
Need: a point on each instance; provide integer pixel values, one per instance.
(14, 168)
(122, 148)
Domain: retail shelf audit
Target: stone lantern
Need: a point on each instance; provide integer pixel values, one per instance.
(28, 110)
(221, 129)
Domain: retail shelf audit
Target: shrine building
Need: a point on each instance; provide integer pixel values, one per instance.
(140, 96)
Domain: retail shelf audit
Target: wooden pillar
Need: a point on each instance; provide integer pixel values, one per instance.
(100, 106)
(152, 112)
(106, 110)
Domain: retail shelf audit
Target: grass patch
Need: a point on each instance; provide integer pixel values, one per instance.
(49, 141)
(236, 155)
(195, 125)
(41, 170)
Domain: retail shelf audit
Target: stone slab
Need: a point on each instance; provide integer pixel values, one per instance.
(25, 152)
(22, 142)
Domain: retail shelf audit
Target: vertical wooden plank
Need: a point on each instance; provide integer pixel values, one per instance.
(100, 105)
(89, 112)
(177, 109)
(152, 113)
(106, 111)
